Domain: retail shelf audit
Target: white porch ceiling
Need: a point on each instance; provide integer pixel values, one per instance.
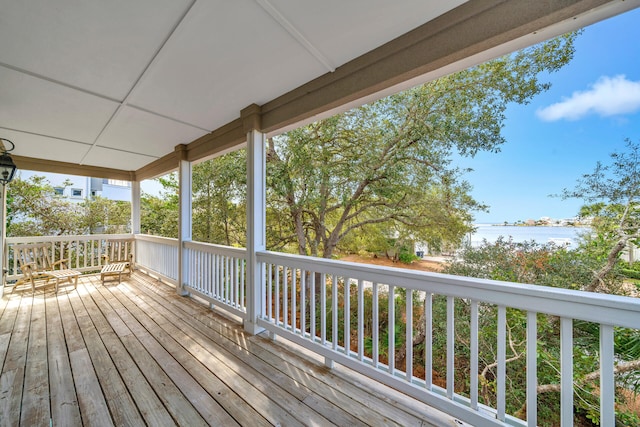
(120, 83)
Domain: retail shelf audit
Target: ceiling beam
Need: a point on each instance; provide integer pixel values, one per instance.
(44, 165)
(220, 140)
(162, 166)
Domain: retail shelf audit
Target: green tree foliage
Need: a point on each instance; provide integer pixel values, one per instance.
(218, 202)
(389, 163)
(159, 214)
(527, 262)
(34, 209)
(102, 215)
(612, 194)
(543, 264)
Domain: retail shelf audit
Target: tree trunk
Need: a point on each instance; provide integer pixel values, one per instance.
(421, 334)
(296, 215)
(612, 259)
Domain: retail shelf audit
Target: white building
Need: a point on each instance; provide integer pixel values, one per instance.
(82, 188)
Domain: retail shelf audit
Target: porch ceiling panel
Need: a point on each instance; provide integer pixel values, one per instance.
(137, 131)
(107, 157)
(98, 46)
(38, 106)
(43, 147)
(342, 30)
(225, 56)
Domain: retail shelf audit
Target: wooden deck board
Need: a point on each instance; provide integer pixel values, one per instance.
(93, 405)
(329, 411)
(128, 390)
(137, 354)
(65, 410)
(266, 381)
(12, 377)
(35, 397)
(7, 315)
(6, 303)
(255, 388)
(194, 396)
(333, 403)
(242, 412)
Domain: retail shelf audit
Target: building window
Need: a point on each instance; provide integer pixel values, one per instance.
(118, 182)
(76, 192)
(59, 191)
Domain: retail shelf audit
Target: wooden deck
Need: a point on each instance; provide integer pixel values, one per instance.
(136, 354)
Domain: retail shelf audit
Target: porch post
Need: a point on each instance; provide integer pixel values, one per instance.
(184, 226)
(256, 213)
(135, 206)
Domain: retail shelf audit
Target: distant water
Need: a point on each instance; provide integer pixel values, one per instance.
(541, 235)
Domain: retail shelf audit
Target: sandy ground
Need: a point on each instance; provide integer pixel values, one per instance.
(423, 265)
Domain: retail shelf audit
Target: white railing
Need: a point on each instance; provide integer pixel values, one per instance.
(83, 253)
(217, 274)
(342, 311)
(212, 272)
(305, 300)
(158, 256)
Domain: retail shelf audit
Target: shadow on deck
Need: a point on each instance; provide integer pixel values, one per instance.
(135, 353)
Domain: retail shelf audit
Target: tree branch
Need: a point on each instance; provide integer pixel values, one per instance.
(620, 368)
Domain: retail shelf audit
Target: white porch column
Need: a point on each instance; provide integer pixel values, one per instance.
(135, 206)
(256, 213)
(184, 226)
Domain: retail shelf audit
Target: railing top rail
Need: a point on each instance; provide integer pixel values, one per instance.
(216, 249)
(157, 239)
(67, 238)
(600, 308)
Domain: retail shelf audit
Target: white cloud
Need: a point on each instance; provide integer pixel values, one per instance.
(609, 96)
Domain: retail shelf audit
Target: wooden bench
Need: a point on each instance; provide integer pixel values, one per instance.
(114, 269)
(34, 260)
(119, 250)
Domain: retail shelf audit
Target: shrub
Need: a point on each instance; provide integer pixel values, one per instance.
(631, 274)
(407, 257)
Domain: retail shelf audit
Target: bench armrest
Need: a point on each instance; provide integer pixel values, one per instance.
(62, 262)
(28, 268)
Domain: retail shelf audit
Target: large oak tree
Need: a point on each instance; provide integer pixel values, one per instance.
(387, 167)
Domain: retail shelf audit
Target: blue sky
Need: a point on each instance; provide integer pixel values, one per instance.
(592, 106)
